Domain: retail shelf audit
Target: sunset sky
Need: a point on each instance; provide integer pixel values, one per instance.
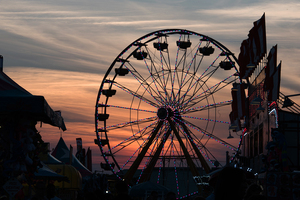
(61, 49)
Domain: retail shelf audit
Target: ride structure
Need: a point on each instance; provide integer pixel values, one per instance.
(164, 103)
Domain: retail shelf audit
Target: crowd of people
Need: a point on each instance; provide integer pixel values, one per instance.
(233, 183)
(229, 183)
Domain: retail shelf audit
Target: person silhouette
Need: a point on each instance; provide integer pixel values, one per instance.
(170, 196)
(252, 190)
(51, 192)
(122, 191)
(231, 184)
(153, 196)
(40, 191)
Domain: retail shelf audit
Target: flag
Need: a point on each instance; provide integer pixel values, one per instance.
(238, 101)
(234, 121)
(259, 39)
(270, 68)
(238, 106)
(244, 58)
(275, 84)
(254, 48)
(272, 62)
(241, 101)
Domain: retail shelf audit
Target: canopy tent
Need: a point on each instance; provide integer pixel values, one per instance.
(15, 101)
(49, 159)
(73, 175)
(46, 173)
(62, 153)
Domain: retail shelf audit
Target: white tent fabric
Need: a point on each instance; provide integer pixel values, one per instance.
(62, 153)
(47, 173)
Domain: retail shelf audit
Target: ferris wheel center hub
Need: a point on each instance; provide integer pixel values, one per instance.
(162, 113)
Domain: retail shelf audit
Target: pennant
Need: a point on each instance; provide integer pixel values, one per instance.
(244, 58)
(235, 121)
(270, 68)
(272, 62)
(259, 39)
(241, 101)
(254, 48)
(238, 101)
(275, 83)
(238, 106)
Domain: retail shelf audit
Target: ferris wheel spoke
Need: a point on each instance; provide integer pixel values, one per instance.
(206, 107)
(162, 61)
(165, 60)
(165, 63)
(122, 125)
(175, 69)
(210, 91)
(200, 83)
(199, 145)
(135, 94)
(196, 67)
(128, 176)
(199, 63)
(208, 154)
(134, 137)
(154, 159)
(202, 148)
(137, 150)
(187, 132)
(180, 76)
(210, 135)
(157, 80)
(186, 154)
(127, 108)
(206, 74)
(183, 77)
(123, 146)
(148, 159)
(175, 168)
(169, 71)
(205, 119)
(143, 82)
(153, 69)
(202, 98)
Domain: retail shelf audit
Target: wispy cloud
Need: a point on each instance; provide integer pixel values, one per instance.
(62, 50)
(279, 11)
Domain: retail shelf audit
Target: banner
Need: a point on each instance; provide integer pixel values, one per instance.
(253, 49)
(274, 82)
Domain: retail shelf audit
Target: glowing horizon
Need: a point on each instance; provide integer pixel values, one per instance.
(62, 51)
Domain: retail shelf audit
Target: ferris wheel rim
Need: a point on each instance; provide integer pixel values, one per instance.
(165, 31)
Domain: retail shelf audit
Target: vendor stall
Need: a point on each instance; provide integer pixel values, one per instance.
(20, 142)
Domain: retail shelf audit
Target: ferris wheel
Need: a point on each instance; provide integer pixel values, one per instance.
(164, 103)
